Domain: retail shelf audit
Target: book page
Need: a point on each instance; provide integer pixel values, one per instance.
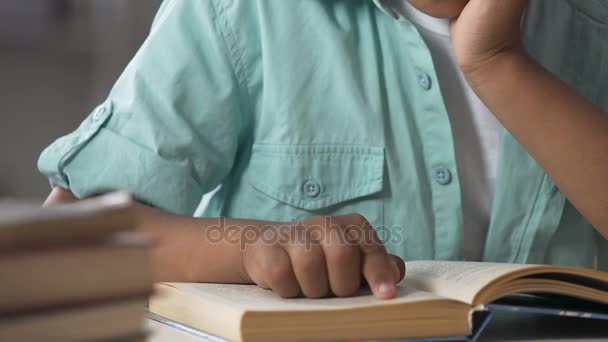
(253, 298)
(457, 280)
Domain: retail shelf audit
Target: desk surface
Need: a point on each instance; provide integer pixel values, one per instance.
(505, 327)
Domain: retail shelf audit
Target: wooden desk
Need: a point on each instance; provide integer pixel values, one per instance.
(506, 327)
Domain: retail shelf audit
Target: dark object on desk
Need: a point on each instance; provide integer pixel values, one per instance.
(518, 326)
(72, 272)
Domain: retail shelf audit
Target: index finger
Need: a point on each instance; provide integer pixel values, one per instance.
(381, 271)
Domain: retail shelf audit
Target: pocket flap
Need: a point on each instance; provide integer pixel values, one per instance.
(313, 177)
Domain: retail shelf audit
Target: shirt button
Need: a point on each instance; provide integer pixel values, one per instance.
(442, 175)
(424, 80)
(99, 113)
(311, 188)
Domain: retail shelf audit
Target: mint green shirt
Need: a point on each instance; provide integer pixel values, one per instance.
(317, 107)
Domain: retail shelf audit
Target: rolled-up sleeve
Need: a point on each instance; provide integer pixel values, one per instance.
(170, 129)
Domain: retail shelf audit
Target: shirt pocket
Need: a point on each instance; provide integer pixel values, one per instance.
(587, 61)
(294, 182)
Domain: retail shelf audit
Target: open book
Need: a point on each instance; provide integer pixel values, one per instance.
(436, 299)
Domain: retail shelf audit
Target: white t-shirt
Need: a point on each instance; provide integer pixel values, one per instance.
(477, 133)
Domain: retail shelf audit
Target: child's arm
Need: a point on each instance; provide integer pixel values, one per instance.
(563, 132)
(567, 135)
(199, 250)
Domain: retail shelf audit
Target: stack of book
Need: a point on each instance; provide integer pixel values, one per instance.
(73, 272)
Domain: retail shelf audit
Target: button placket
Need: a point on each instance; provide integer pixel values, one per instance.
(437, 137)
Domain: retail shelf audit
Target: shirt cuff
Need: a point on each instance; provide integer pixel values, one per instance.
(95, 160)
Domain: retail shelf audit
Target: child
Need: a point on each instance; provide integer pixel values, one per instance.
(322, 119)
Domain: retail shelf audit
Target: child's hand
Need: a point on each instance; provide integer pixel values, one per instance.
(486, 29)
(321, 257)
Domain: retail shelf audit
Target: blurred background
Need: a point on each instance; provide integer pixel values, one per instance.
(58, 60)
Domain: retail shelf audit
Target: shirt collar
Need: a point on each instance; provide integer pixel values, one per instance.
(386, 6)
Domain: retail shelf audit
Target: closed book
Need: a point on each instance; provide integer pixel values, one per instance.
(68, 275)
(27, 225)
(113, 320)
